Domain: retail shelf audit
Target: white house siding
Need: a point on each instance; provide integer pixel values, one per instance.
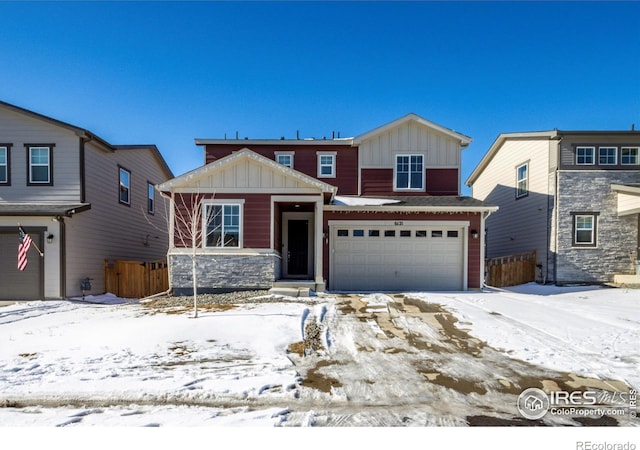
(438, 149)
(111, 230)
(19, 129)
(520, 225)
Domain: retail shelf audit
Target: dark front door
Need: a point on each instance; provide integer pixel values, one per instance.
(298, 252)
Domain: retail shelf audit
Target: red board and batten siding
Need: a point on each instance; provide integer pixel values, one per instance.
(305, 160)
(256, 217)
(473, 251)
(379, 182)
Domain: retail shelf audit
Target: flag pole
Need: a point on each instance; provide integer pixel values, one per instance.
(35, 245)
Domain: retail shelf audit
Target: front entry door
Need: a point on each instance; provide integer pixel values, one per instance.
(298, 247)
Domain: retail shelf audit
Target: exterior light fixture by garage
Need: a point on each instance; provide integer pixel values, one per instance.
(49, 238)
(474, 234)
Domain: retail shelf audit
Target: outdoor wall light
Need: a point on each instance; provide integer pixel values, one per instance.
(474, 234)
(49, 238)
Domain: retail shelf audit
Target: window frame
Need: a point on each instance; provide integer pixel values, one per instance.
(319, 156)
(520, 193)
(578, 156)
(49, 165)
(593, 229)
(151, 198)
(409, 173)
(122, 169)
(222, 204)
(615, 156)
(7, 164)
(636, 158)
(283, 154)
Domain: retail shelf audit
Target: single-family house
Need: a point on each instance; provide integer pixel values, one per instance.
(379, 211)
(573, 196)
(79, 198)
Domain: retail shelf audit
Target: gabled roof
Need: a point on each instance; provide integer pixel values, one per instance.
(464, 140)
(500, 140)
(190, 178)
(88, 135)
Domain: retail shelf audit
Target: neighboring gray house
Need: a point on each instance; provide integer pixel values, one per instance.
(81, 199)
(573, 196)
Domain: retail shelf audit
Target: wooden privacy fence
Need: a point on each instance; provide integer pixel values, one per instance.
(511, 270)
(135, 279)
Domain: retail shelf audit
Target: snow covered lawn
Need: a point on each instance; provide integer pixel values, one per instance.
(375, 359)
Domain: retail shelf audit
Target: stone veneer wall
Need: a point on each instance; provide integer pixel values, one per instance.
(224, 273)
(616, 236)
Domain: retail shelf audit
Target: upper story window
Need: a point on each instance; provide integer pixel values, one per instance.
(326, 164)
(40, 172)
(522, 180)
(629, 156)
(124, 186)
(285, 158)
(585, 156)
(151, 198)
(5, 166)
(221, 223)
(608, 156)
(409, 172)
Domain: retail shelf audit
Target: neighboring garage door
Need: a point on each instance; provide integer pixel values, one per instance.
(15, 284)
(397, 258)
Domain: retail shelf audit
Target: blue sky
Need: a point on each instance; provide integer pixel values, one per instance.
(168, 72)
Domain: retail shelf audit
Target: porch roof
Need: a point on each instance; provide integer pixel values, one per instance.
(42, 209)
(628, 198)
(412, 203)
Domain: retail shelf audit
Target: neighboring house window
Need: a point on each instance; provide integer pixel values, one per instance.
(40, 172)
(125, 186)
(585, 156)
(409, 172)
(522, 180)
(5, 166)
(326, 165)
(629, 156)
(584, 229)
(608, 156)
(222, 225)
(286, 159)
(151, 198)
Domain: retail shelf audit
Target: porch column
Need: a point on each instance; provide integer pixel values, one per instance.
(319, 280)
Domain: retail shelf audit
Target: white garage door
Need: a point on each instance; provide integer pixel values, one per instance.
(397, 258)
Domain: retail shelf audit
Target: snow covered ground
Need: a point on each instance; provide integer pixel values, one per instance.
(381, 360)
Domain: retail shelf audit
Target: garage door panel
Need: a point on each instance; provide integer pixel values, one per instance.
(16, 284)
(407, 258)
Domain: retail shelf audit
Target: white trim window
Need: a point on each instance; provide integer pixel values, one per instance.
(608, 156)
(124, 183)
(4, 164)
(40, 165)
(409, 173)
(522, 180)
(285, 158)
(629, 156)
(585, 156)
(584, 229)
(222, 227)
(326, 164)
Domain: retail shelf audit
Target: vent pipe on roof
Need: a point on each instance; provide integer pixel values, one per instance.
(298, 134)
(236, 135)
(633, 127)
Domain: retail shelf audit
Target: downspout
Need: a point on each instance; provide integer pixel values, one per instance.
(63, 256)
(483, 243)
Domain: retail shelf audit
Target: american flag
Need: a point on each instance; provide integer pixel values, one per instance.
(23, 248)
